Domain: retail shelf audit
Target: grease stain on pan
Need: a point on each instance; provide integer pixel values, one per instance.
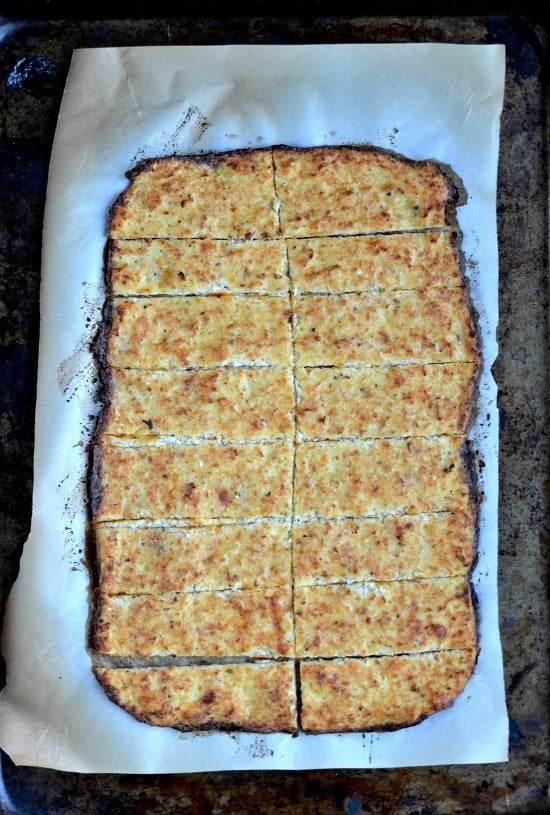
(79, 369)
(259, 748)
(189, 130)
(75, 368)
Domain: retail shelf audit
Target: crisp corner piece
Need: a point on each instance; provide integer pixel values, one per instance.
(259, 697)
(381, 693)
(283, 514)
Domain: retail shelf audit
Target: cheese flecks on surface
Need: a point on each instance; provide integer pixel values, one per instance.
(364, 262)
(179, 267)
(159, 559)
(260, 697)
(381, 692)
(167, 332)
(283, 510)
(226, 403)
(372, 402)
(255, 623)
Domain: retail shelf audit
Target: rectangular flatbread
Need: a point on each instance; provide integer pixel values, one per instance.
(354, 478)
(178, 267)
(231, 404)
(401, 547)
(384, 327)
(384, 618)
(381, 401)
(380, 693)
(255, 623)
(358, 263)
(163, 333)
(194, 482)
(137, 559)
(283, 512)
(350, 190)
(201, 197)
(258, 696)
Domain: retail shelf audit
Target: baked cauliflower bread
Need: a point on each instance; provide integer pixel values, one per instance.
(283, 515)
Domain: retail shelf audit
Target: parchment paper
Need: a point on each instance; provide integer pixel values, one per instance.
(120, 105)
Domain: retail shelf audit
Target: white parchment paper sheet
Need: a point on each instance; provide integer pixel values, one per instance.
(120, 105)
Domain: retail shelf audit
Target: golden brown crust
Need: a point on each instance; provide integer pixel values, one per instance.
(258, 697)
(282, 503)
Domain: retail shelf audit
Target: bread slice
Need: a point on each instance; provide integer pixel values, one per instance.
(380, 693)
(162, 333)
(256, 623)
(179, 267)
(358, 263)
(402, 547)
(210, 196)
(376, 619)
(232, 404)
(283, 512)
(193, 482)
(384, 327)
(137, 559)
(335, 479)
(259, 697)
(382, 401)
(349, 190)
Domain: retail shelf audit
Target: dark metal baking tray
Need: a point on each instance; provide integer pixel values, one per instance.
(34, 60)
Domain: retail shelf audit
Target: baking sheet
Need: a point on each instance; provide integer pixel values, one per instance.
(120, 105)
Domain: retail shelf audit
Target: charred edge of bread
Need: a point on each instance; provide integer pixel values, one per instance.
(390, 728)
(97, 634)
(108, 267)
(209, 158)
(469, 408)
(95, 489)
